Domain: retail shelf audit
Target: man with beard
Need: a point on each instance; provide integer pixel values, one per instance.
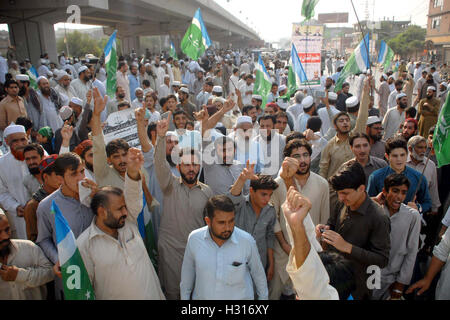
(50, 184)
(383, 92)
(271, 144)
(31, 102)
(112, 105)
(159, 72)
(134, 81)
(84, 150)
(83, 84)
(327, 114)
(204, 276)
(309, 108)
(64, 88)
(24, 269)
(393, 96)
(138, 102)
(254, 214)
(122, 79)
(409, 130)
(185, 104)
(428, 111)
(33, 154)
(374, 132)
(296, 109)
(12, 106)
(252, 113)
(360, 145)
(70, 171)
(184, 201)
(113, 238)
(338, 148)
(343, 96)
(13, 194)
(394, 117)
(295, 171)
(51, 102)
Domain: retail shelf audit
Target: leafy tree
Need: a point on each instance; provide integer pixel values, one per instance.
(408, 42)
(81, 44)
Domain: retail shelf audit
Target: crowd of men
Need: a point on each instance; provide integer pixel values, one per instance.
(305, 197)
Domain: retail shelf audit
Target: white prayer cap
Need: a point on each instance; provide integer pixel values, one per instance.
(219, 99)
(351, 102)
(166, 76)
(281, 88)
(257, 97)
(185, 90)
(65, 112)
(176, 84)
(77, 101)
(147, 64)
(171, 134)
(431, 88)
(400, 95)
(40, 78)
(148, 90)
(373, 119)
(42, 61)
(163, 62)
(443, 83)
(22, 77)
(13, 128)
(242, 73)
(307, 102)
(243, 119)
(49, 73)
(384, 75)
(391, 77)
(137, 89)
(81, 69)
(61, 74)
(332, 96)
(217, 89)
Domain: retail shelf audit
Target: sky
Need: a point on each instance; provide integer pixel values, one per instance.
(273, 19)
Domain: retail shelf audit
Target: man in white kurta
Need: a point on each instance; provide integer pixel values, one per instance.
(123, 81)
(120, 268)
(83, 84)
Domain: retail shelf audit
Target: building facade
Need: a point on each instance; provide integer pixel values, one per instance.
(438, 29)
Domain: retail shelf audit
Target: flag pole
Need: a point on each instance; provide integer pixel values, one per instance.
(364, 38)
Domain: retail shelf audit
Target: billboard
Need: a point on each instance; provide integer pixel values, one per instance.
(308, 43)
(340, 17)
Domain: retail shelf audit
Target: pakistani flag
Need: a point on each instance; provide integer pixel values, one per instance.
(296, 75)
(357, 63)
(76, 283)
(385, 56)
(263, 83)
(196, 40)
(173, 51)
(111, 64)
(145, 227)
(308, 8)
(33, 75)
(441, 138)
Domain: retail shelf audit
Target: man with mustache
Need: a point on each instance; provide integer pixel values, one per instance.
(428, 111)
(409, 128)
(84, 150)
(295, 171)
(24, 268)
(374, 131)
(33, 154)
(184, 201)
(51, 102)
(204, 276)
(394, 117)
(12, 106)
(13, 194)
(83, 84)
(64, 88)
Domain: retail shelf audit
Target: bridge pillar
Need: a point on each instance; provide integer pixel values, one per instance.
(131, 42)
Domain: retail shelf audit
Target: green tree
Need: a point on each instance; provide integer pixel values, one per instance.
(81, 44)
(411, 41)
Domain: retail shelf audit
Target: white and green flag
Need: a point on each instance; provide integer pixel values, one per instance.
(385, 56)
(33, 75)
(263, 83)
(76, 282)
(196, 40)
(441, 137)
(111, 65)
(173, 51)
(357, 63)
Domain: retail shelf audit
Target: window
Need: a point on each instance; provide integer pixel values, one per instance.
(436, 23)
(437, 3)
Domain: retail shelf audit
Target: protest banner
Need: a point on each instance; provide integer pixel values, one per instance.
(122, 124)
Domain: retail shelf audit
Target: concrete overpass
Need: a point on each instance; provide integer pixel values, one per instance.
(31, 22)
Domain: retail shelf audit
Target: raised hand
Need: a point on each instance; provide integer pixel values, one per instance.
(162, 126)
(202, 115)
(66, 132)
(289, 168)
(88, 183)
(295, 208)
(139, 113)
(249, 172)
(134, 163)
(99, 102)
(89, 96)
(229, 104)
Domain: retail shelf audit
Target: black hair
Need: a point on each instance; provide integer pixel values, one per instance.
(247, 108)
(24, 121)
(431, 130)
(171, 96)
(10, 82)
(177, 112)
(274, 85)
(219, 202)
(398, 82)
(410, 112)
(396, 142)
(340, 272)
(264, 182)
(101, 198)
(34, 147)
(295, 144)
(350, 176)
(340, 114)
(67, 161)
(162, 101)
(281, 114)
(294, 135)
(395, 180)
(268, 117)
(116, 145)
(357, 135)
(146, 83)
(314, 123)
(121, 64)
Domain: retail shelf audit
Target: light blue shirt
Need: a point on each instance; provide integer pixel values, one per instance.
(302, 122)
(208, 272)
(134, 83)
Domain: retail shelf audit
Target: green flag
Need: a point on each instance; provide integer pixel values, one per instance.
(441, 137)
(145, 227)
(33, 75)
(111, 65)
(308, 8)
(76, 282)
(291, 84)
(173, 51)
(263, 83)
(196, 40)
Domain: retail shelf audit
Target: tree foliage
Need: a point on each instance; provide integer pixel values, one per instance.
(81, 44)
(411, 41)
